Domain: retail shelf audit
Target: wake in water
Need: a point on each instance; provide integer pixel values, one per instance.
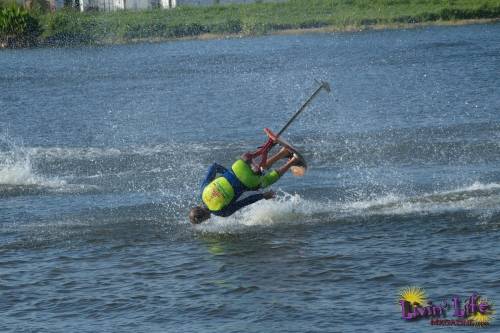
(479, 198)
(141, 174)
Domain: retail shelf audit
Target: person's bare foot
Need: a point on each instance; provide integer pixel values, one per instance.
(297, 169)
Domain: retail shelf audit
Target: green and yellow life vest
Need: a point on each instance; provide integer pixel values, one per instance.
(218, 194)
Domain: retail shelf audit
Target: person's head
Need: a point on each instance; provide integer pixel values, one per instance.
(198, 214)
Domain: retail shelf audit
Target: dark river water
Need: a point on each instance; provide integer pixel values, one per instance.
(102, 151)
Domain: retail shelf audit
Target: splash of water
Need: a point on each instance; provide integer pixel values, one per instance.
(16, 168)
(284, 209)
(292, 208)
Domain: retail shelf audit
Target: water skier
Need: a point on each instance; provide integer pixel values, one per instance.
(220, 194)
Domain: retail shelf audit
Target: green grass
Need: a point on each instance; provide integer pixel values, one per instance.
(18, 27)
(67, 27)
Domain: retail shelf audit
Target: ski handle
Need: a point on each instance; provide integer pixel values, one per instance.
(323, 85)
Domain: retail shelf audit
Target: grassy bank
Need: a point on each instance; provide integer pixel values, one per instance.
(68, 27)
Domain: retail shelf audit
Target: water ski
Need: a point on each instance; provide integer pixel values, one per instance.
(300, 168)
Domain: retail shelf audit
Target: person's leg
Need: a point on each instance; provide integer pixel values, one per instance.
(283, 153)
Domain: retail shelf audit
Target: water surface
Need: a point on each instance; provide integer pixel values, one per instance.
(102, 151)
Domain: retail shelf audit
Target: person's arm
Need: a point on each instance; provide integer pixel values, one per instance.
(269, 178)
(212, 172)
(237, 205)
(272, 177)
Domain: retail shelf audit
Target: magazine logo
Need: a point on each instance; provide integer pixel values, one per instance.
(470, 311)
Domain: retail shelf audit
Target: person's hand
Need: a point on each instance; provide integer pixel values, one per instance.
(269, 195)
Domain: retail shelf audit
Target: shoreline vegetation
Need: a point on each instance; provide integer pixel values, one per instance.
(67, 27)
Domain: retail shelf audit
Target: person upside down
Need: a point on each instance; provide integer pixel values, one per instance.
(220, 194)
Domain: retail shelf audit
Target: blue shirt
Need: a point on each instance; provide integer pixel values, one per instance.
(238, 188)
